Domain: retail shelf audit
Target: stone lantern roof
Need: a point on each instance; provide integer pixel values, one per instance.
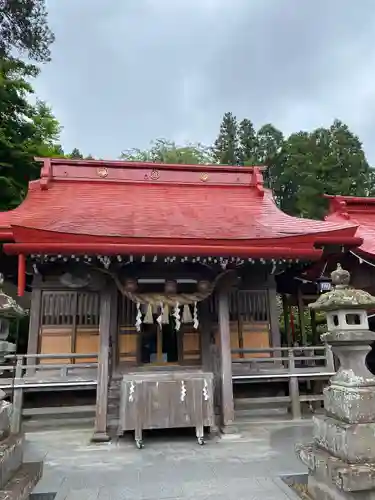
(8, 306)
(343, 296)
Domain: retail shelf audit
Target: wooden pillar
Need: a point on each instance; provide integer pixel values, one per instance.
(17, 399)
(205, 332)
(294, 387)
(273, 312)
(34, 327)
(286, 321)
(315, 336)
(21, 275)
(227, 404)
(100, 433)
(301, 316)
(114, 330)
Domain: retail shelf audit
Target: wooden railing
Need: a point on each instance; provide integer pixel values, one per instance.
(291, 364)
(20, 368)
(282, 361)
(63, 376)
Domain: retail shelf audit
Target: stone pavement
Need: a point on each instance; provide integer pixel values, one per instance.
(169, 467)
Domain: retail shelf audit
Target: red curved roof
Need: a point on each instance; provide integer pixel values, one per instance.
(359, 211)
(95, 202)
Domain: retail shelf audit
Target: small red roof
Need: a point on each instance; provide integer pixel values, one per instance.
(93, 202)
(359, 211)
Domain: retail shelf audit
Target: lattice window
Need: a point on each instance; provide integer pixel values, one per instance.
(68, 308)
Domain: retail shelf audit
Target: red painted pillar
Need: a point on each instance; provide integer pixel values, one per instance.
(21, 274)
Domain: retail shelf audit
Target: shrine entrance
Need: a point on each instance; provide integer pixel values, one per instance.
(156, 343)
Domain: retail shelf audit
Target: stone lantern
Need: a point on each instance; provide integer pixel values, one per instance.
(9, 309)
(341, 459)
(17, 478)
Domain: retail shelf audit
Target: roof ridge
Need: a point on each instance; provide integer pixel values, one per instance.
(147, 172)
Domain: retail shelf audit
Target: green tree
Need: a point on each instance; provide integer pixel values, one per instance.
(76, 154)
(322, 161)
(247, 143)
(269, 142)
(26, 131)
(46, 131)
(226, 147)
(346, 168)
(24, 29)
(164, 151)
(295, 187)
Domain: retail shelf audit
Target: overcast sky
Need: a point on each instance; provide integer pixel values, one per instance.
(124, 72)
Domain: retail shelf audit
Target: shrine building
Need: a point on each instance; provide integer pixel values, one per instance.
(164, 274)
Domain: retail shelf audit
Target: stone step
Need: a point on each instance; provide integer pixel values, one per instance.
(260, 412)
(11, 454)
(23, 482)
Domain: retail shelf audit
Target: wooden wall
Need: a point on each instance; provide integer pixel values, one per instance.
(249, 316)
(69, 323)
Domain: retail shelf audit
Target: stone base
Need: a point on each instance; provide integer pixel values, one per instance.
(333, 479)
(353, 443)
(11, 454)
(100, 437)
(322, 491)
(353, 405)
(229, 429)
(23, 482)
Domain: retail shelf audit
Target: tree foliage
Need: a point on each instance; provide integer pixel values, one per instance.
(164, 151)
(24, 29)
(226, 147)
(310, 164)
(26, 131)
(301, 167)
(75, 154)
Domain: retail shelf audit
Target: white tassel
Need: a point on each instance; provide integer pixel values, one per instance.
(138, 321)
(159, 319)
(165, 315)
(148, 319)
(176, 315)
(195, 317)
(186, 314)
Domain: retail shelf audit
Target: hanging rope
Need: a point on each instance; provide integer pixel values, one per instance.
(170, 300)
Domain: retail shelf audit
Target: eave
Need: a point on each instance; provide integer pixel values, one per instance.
(297, 247)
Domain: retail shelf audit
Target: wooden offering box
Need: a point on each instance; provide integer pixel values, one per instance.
(166, 400)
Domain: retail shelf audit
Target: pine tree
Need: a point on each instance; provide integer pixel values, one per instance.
(269, 142)
(247, 143)
(76, 154)
(24, 29)
(226, 146)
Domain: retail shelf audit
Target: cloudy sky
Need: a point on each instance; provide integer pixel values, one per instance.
(124, 72)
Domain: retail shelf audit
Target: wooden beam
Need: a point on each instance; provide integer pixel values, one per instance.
(100, 433)
(273, 312)
(114, 329)
(227, 404)
(286, 321)
(21, 274)
(315, 336)
(205, 334)
(34, 327)
(301, 311)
